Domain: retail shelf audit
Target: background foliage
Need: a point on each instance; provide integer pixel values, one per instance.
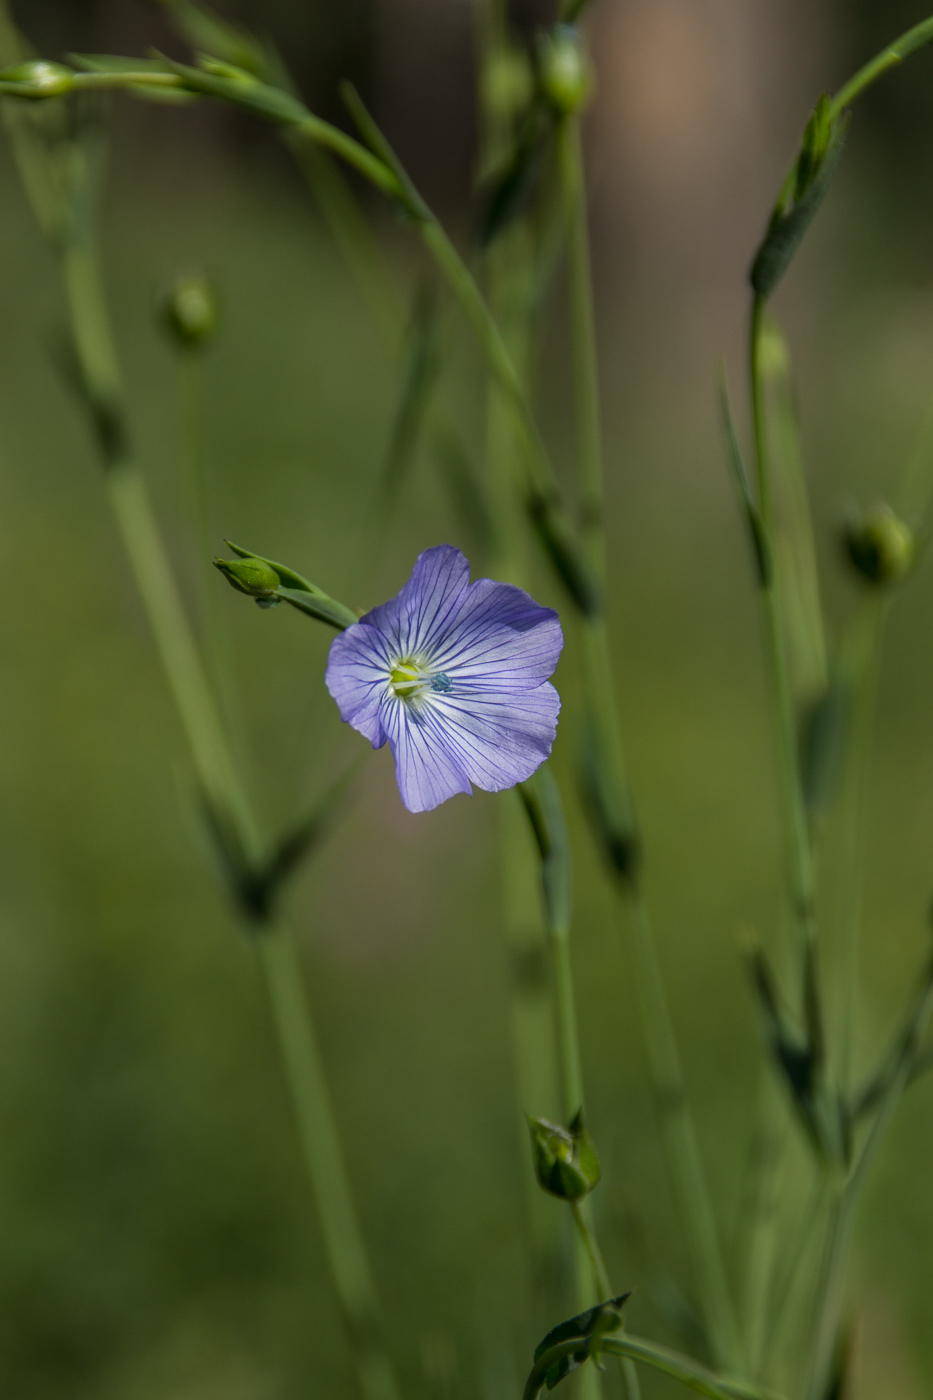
(156, 1237)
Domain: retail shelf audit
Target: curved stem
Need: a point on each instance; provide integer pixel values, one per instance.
(889, 57)
(799, 855)
(670, 1363)
(669, 1091)
(156, 582)
(863, 666)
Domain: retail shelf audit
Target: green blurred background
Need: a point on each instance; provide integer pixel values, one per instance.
(157, 1237)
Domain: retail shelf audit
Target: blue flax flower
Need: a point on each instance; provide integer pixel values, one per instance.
(455, 676)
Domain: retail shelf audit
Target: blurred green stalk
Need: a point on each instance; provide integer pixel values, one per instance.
(217, 777)
(669, 1090)
(799, 855)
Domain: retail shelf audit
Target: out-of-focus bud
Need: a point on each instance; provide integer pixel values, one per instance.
(507, 81)
(816, 139)
(250, 576)
(190, 311)
(880, 546)
(38, 79)
(564, 71)
(565, 1160)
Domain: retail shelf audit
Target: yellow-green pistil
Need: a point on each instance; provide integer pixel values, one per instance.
(409, 678)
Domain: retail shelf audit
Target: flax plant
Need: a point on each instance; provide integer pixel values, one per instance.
(60, 182)
(454, 676)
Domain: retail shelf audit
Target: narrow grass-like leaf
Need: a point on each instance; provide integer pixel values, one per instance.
(516, 182)
(794, 1056)
(542, 801)
(904, 1051)
(409, 197)
(206, 31)
(550, 525)
(742, 483)
(794, 551)
(418, 381)
(465, 489)
(610, 811)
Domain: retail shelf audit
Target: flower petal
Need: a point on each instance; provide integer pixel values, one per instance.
(499, 740)
(356, 676)
(427, 604)
(427, 765)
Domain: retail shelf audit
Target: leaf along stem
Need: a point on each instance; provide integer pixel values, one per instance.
(156, 582)
(678, 1131)
(670, 1363)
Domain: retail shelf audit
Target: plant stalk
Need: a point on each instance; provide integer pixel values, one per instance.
(156, 582)
(677, 1125)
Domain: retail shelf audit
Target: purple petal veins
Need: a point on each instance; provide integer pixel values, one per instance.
(455, 676)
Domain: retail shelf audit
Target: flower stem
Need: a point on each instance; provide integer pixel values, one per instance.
(799, 855)
(846, 1200)
(670, 1363)
(320, 1140)
(669, 1091)
(155, 579)
(604, 1290)
(863, 665)
(889, 57)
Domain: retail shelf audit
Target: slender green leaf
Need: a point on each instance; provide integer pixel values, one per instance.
(542, 801)
(743, 488)
(794, 551)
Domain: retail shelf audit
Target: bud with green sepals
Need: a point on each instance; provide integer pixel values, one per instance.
(563, 70)
(36, 79)
(251, 576)
(565, 1160)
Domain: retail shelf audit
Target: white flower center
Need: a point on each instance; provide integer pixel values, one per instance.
(411, 677)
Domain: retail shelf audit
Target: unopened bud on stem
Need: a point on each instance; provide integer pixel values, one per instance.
(250, 576)
(37, 79)
(880, 546)
(565, 1160)
(564, 70)
(190, 311)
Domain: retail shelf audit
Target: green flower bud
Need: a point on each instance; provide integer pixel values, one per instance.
(564, 71)
(38, 78)
(565, 1160)
(880, 546)
(816, 139)
(191, 312)
(250, 576)
(508, 81)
